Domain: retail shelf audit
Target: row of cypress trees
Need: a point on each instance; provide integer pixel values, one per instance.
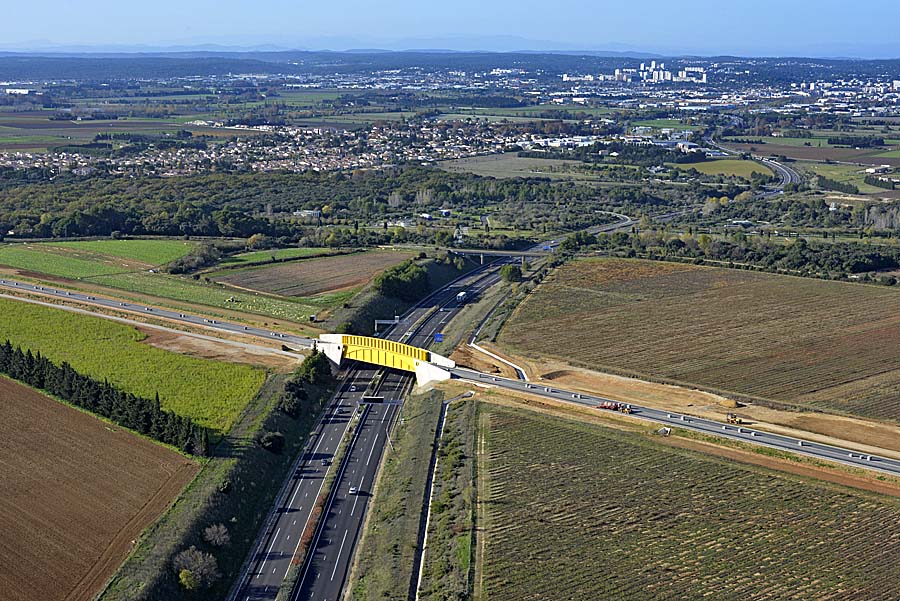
(125, 409)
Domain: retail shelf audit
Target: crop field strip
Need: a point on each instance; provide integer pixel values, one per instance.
(213, 393)
(827, 345)
(586, 512)
(315, 276)
(126, 265)
(75, 492)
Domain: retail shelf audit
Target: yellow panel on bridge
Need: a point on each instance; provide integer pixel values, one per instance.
(383, 352)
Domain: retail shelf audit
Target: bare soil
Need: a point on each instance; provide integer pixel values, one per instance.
(315, 276)
(76, 493)
(864, 435)
(208, 349)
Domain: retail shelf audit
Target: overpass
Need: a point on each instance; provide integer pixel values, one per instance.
(426, 365)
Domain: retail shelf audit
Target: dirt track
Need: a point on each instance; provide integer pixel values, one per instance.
(76, 492)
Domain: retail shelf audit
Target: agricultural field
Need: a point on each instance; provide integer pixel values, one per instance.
(79, 260)
(848, 174)
(511, 165)
(132, 266)
(34, 131)
(824, 345)
(211, 392)
(315, 276)
(280, 254)
(621, 515)
(76, 491)
(778, 147)
(726, 167)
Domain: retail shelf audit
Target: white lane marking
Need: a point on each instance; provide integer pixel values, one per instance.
(263, 566)
(372, 449)
(356, 498)
(338, 555)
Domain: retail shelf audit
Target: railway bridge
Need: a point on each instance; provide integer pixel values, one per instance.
(426, 365)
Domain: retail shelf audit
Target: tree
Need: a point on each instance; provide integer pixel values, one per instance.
(511, 273)
(217, 535)
(203, 568)
(187, 579)
(272, 441)
(316, 370)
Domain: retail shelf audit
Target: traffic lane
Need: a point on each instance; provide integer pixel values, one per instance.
(274, 562)
(330, 564)
(743, 433)
(209, 323)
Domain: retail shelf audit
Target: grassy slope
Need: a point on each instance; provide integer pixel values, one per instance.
(385, 556)
(637, 519)
(211, 392)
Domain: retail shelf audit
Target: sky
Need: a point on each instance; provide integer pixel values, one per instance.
(830, 28)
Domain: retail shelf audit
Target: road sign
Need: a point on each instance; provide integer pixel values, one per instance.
(438, 337)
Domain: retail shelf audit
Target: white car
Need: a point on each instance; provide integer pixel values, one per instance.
(354, 490)
(353, 389)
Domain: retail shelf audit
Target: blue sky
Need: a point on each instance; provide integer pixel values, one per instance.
(756, 27)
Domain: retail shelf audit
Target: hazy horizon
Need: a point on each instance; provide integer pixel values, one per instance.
(699, 28)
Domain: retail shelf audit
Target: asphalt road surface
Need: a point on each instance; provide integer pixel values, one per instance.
(678, 420)
(326, 573)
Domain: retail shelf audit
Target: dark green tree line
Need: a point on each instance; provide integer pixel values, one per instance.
(125, 409)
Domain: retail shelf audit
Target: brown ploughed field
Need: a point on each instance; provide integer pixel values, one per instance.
(315, 276)
(76, 492)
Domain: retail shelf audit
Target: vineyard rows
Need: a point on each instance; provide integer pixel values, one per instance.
(804, 341)
(585, 512)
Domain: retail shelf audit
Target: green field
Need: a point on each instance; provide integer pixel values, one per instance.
(151, 252)
(126, 265)
(726, 167)
(783, 141)
(280, 254)
(215, 295)
(577, 511)
(88, 259)
(848, 174)
(211, 392)
(806, 342)
(41, 259)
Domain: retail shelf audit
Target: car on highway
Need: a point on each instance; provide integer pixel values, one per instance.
(354, 490)
(353, 389)
(326, 461)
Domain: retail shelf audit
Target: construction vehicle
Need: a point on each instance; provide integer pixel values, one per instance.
(731, 418)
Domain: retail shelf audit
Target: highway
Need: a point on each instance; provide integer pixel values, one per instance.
(788, 175)
(677, 420)
(326, 572)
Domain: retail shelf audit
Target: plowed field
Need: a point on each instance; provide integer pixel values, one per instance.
(315, 276)
(75, 492)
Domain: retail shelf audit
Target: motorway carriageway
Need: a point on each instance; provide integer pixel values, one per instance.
(706, 426)
(326, 572)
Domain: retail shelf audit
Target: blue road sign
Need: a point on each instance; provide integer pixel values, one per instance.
(438, 337)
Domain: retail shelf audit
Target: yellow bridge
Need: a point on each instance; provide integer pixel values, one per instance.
(386, 353)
